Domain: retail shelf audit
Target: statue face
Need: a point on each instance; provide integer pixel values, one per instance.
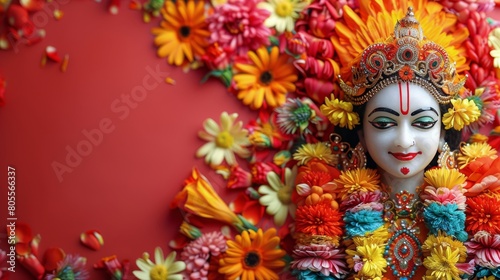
(402, 128)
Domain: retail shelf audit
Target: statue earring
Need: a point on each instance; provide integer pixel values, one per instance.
(345, 157)
(447, 158)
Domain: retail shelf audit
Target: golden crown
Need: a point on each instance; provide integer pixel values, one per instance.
(407, 56)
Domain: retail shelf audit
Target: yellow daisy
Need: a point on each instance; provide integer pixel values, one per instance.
(253, 255)
(444, 178)
(283, 13)
(358, 180)
(268, 78)
(442, 263)
(464, 112)
(375, 20)
(470, 152)
(224, 140)
(339, 112)
(161, 269)
(442, 240)
(183, 33)
(277, 196)
(309, 151)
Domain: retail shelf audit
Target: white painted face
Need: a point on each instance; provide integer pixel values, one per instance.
(402, 128)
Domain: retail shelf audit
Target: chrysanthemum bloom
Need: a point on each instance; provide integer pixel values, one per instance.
(442, 241)
(326, 259)
(295, 115)
(183, 33)
(471, 152)
(310, 151)
(358, 180)
(197, 254)
(362, 222)
(162, 268)
(239, 26)
(277, 196)
(224, 140)
(488, 101)
(372, 22)
(199, 198)
(359, 198)
(483, 213)
(442, 263)
(318, 219)
(253, 255)
(447, 218)
(444, 196)
(266, 79)
(485, 249)
(71, 267)
(340, 112)
(444, 178)
(283, 13)
(464, 112)
(372, 257)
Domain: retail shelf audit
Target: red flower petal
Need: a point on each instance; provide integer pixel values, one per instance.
(52, 257)
(92, 239)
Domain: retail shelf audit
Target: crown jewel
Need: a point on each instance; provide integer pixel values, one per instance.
(407, 56)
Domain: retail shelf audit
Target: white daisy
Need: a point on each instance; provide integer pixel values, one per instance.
(283, 13)
(161, 269)
(224, 140)
(277, 196)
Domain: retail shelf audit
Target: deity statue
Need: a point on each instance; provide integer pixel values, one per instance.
(395, 207)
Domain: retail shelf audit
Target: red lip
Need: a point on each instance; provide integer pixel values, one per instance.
(405, 157)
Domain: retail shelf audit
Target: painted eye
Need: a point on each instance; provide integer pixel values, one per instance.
(383, 123)
(424, 122)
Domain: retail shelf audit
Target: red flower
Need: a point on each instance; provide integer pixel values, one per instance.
(406, 73)
(318, 219)
(483, 213)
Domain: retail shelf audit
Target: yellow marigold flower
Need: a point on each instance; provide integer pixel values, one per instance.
(358, 180)
(308, 151)
(253, 255)
(444, 178)
(183, 33)
(199, 198)
(470, 152)
(442, 263)
(372, 258)
(340, 112)
(268, 77)
(442, 241)
(464, 112)
(378, 236)
(478, 138)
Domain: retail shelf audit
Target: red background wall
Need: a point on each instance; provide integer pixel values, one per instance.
(124, 185)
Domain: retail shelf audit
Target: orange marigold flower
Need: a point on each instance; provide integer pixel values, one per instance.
(483, 213)
(406, 73)
(318, 219)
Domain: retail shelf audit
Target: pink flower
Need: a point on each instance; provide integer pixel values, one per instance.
(485, 248)
(259, 172)
(444, 196)
(362, 198)
(197, 254)
(239, 26)
(320, 258)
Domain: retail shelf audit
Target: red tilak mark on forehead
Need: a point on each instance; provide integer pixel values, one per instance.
(404, 109)
(405, 170)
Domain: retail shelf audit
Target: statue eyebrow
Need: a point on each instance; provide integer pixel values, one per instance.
(384, 109)
(418, 111)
